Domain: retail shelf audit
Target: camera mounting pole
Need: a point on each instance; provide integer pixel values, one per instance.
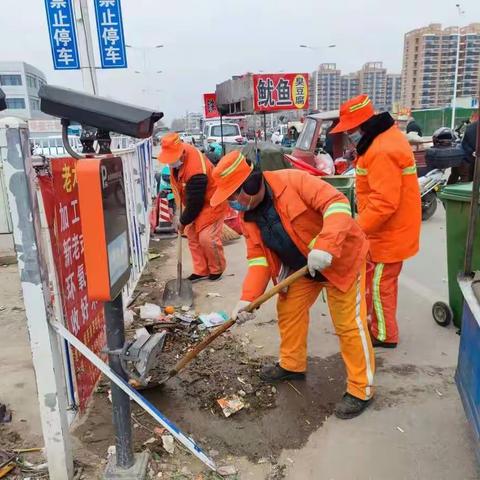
(105, 230)
(66, 142)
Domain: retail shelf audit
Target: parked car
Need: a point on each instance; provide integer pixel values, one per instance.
(212, 133)
(185, 137)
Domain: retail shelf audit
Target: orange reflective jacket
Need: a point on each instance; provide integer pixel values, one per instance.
(195, 163)
(315, 215)
(388, 197)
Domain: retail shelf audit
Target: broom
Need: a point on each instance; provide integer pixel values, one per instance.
(229, 234)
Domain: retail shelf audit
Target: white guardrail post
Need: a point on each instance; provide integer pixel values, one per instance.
(32, 264)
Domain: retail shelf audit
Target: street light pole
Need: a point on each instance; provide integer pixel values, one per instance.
(457, 64)
(144, 51)
(315, 79)
(145, 72)
(455, 82)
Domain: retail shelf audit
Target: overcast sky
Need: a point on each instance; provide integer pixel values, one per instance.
(207, 41)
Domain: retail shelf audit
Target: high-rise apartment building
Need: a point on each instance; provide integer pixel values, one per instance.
(394, 90)
(349, 86)
(373, 82)
(326, 87)
(329, 88)
(429, 64)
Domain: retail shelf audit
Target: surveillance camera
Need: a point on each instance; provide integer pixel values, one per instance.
(3, 102)
(97, 112)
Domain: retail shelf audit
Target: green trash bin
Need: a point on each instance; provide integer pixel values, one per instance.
(344, 184)
(457, 199)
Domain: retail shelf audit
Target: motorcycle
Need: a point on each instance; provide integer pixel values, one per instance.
(445, 153)
(429, 185)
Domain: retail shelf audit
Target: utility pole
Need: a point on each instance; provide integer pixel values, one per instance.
(85, 46)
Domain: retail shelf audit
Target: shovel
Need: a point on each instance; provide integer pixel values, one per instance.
(223, 328)
(178, 292)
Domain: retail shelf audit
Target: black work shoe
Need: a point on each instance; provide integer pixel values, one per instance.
(350, 407)
(213, 277)
(378, 344)
(277, 374)
(197, 278)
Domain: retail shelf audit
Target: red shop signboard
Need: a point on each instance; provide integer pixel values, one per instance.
(273, 92)
(84, 319)
(210, 105)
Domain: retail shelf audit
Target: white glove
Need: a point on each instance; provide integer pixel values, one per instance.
(241, 316)
(318, 260)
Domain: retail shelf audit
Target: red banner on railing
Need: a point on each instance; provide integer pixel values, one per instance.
(280, 91)
(83, 318)
(210, 105)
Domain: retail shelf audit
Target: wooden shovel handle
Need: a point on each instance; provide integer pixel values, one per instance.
(223, 328)
(276, 289)
(179, 252)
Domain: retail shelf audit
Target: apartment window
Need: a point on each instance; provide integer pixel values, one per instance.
(35, 104)
(15, 103)
(31, 81)
(10, 80)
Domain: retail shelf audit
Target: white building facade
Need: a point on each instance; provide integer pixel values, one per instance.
(20, 82)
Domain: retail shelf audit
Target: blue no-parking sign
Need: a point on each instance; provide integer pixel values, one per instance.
(111, 39)
(63, 39)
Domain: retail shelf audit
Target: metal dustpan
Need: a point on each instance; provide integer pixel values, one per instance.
(178, 292)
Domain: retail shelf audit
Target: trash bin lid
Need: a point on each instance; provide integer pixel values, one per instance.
(459, 192)
(339, 181)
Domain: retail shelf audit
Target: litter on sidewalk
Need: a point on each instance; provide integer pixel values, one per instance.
(231, 404)
(214, 319)
(150, 311)
(227, 470)
(185, 318)
(213, 295)
(168, 444)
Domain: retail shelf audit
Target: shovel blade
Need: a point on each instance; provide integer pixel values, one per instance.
(178, 297)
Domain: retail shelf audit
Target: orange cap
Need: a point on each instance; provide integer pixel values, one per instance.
(229, 174)
(354, 112)
(172, 148)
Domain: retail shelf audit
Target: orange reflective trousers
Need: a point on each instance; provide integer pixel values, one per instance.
(382, 296)
(206, 248)
(349, 316)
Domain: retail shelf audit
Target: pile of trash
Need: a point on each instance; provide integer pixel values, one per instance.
(222, 378)
(14, 464)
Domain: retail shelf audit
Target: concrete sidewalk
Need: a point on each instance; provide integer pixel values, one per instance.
(416, 428)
